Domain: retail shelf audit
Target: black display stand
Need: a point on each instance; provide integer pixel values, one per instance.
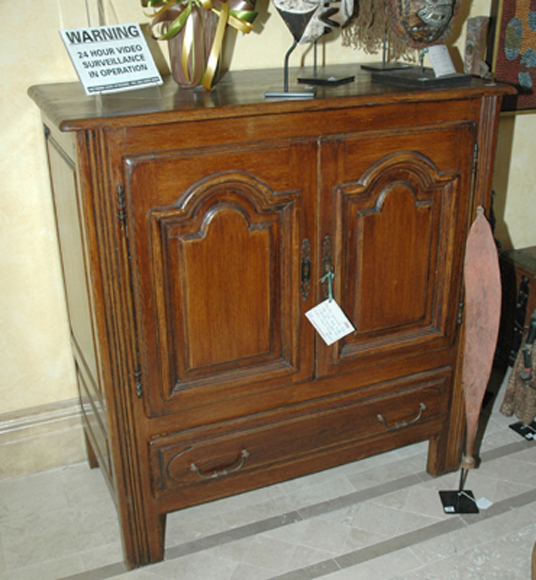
(459, 501)
(417, 77)
(324, 80)
(305, 92)
(385, 66)
(528, 432)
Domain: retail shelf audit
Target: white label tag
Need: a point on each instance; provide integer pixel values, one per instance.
(329, 321)
(440, 60)
(484, 503)
(109, 59)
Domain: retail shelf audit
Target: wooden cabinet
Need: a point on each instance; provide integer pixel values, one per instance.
(194, 231)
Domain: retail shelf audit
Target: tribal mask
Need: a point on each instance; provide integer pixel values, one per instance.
(422, 23)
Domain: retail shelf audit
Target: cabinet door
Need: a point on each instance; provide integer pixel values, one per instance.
(394, 223)
(216, 241)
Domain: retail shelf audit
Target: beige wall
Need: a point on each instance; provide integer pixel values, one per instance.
(34, 357)
(34, 348)
(515, 181)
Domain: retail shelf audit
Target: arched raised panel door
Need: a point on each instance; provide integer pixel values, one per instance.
(396, 220)
(215, 248)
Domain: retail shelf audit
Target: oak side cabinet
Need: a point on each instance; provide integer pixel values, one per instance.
(194, 230)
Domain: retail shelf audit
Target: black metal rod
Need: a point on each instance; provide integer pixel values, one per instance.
(463, 477)
(421, 58)
(287, 56)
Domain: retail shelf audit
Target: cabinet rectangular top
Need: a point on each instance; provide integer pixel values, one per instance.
(238, 93)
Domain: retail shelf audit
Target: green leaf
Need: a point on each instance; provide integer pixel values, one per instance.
(152, 3)
(179, 22)
(245, 15)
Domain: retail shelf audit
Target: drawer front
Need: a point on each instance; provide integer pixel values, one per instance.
(204, 458)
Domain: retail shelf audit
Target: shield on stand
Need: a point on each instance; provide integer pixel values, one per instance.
(482, 281)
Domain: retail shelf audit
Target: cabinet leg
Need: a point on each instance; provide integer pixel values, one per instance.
(533, 564)
(444, 453)
(147, 548)
(445, 450)
(157, 539)
(434, 464)
(91, 455)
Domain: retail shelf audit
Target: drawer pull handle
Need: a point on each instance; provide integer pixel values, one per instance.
(381, 418)
(243, 456)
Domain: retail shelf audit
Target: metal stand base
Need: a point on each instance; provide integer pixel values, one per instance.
(328, 81)
(306, 93)
(528, 432)
(324, 80)
(285, 93)
(415, 77)
(383, 66)
(459, 502)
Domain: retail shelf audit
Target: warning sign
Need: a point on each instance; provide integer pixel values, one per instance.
(111, 58)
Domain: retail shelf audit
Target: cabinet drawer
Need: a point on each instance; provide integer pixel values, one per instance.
(199, 457)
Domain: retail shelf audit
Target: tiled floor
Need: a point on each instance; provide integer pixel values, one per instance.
(380, 518)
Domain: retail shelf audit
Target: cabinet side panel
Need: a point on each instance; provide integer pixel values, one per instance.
(74, 266)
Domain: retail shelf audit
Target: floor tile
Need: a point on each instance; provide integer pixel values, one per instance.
(248, 572)
(56, 534)
(305, 556)
(26, 496)
(328, 535)
(180, 530)
(52, 569)
(269, 554)
(388, 567)
(2, 558)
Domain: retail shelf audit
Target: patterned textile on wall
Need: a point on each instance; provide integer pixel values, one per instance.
(516, 52)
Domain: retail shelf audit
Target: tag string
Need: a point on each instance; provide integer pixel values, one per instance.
(329, 277)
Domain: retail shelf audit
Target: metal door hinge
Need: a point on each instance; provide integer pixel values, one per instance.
(475, 158)
(138, 384)
(121, 204)
(459, 319)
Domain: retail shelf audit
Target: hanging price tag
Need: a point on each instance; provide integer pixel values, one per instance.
(329, 321)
